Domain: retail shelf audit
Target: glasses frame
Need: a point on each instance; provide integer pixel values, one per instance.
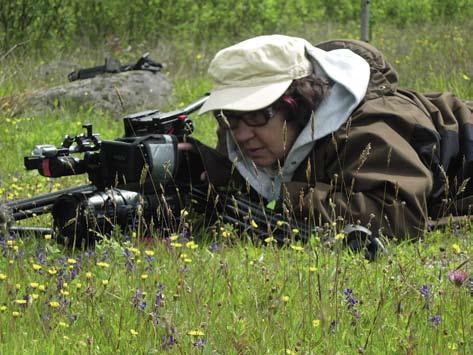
(224, 118)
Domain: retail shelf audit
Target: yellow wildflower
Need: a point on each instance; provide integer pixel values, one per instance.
(339, 236)
(103, 264)
(253, 224)
(105, 282)
(133, 332)
(42, 288)
(88, 275)
(187, 260)
(3, 277)
(316, 323)
(20, 301)
(34, 296)
(225, 234)
(52, 271)
(3, 308)
(63, 324)
(64, 293)
(280, 223)
(195, 333)
(192, 245)
(466, 77)
(36, 267)
(184, 213)
(296, 247)
(34, 285)
(10, 243)
(144, 276)
(456, 248)
(135, 251)
(54, 304)
(78, 285)
(176, 245)
(295, 231)
(149, 252)
(15, 314)
(17, 286)
(312, 269)
(71, 261)
(173, 237)
(47, 236)
(269, 239)
(285, 299)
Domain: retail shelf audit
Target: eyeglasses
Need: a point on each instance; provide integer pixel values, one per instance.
(230, 119)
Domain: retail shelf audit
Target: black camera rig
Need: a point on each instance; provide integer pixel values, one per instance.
(133, 184)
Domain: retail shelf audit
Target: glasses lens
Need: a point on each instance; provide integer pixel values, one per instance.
(230, 119)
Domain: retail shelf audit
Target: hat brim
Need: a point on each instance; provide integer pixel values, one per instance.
(248, 98)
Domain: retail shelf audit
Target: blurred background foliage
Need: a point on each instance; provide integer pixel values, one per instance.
(40, 24)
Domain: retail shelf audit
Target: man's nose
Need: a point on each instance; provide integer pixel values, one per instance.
(243, 132)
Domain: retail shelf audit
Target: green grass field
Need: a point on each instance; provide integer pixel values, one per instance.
(217, 292)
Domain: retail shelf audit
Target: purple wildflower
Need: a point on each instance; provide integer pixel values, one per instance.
(105, 256)
(350, 300)
(63, 302)
(424, 291)
(126, 253)
(199, 343)
(137, 300)
(168, 340)
(59, 283)
(458, 277)
(129, 263)
(40, 257)
(89, 253)
(213, 247)
(73, 273)
(184, 236)
(158, 298)
(430, 227)
(435, 320)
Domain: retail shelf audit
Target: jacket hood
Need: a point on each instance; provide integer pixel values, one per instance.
(383, 76)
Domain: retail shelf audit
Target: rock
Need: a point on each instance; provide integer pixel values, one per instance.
(117, 94)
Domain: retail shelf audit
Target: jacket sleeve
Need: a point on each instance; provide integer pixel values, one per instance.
(373, 177)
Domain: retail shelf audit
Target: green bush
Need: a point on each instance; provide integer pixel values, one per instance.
(40, 24)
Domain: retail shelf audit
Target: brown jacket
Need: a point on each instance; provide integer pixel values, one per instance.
(400, 160)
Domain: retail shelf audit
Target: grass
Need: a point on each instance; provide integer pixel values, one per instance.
(218, 292)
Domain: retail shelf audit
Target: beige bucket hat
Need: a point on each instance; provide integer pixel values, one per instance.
(252, 74)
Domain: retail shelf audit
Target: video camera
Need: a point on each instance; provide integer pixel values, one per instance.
(129, 176)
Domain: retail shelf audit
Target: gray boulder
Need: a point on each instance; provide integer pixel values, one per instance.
(117, 94)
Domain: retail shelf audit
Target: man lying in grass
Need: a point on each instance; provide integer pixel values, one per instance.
(326, 131)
